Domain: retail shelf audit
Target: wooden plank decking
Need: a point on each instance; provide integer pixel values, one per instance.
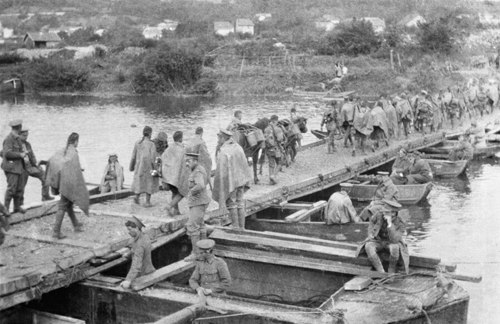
(33, 263)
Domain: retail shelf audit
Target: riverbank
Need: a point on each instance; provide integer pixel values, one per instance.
(369, 76)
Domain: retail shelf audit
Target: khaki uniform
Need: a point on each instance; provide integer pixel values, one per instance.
(420, 172)
(141, 258)
(211, 274)
(15, 171)
(273, 148)
(340, 209)
(386, 190)
(198, 201)
(381, 237)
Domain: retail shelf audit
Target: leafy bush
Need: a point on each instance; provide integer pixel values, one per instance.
(393, 36)
(354, 38)
(57, 74)
(436, 36)
(11, 58)
(167, 69)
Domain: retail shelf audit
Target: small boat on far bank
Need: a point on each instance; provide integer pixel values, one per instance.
(447, 169)
(11, 86)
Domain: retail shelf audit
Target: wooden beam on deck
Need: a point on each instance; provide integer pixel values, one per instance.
(161, 274)
(297, 261)
(304, 214)
(158, 219)
(293, 206)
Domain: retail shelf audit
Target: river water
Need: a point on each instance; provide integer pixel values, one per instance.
(459, 222)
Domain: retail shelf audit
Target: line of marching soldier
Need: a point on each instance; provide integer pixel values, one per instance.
(359, 121)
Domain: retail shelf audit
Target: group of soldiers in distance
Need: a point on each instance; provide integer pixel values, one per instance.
(399, 115)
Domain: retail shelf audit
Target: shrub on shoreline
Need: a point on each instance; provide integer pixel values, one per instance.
(167, 69)
(57, 74)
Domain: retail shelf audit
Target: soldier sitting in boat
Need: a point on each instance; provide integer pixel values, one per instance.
(386, 189)
(463, 150)
(211, 274)
(112, 179)
(419, 172)
(401, 165)
(386, 231)
(141, 252)
(477, 133)
(340, 209)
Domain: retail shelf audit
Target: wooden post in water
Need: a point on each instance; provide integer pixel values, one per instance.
(399, 61)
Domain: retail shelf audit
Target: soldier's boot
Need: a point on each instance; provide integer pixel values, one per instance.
(194, 248)
(57, 225)
(375, 260)
(45, 192)
(235, 221)
(148, 201)
(18, 201)
(136, 199)
(241, 217)
(77, 226)
(7, 201)
(392, 266)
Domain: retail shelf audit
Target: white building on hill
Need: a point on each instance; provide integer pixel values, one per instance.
(244, 26)
(223, 28)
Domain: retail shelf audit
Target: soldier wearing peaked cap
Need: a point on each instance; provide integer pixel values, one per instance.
(419, 171)
(198, 201)
(140, 250)
(14, 167)
(31, 165)
(386, 188)
(211, 274)
(386, 231)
